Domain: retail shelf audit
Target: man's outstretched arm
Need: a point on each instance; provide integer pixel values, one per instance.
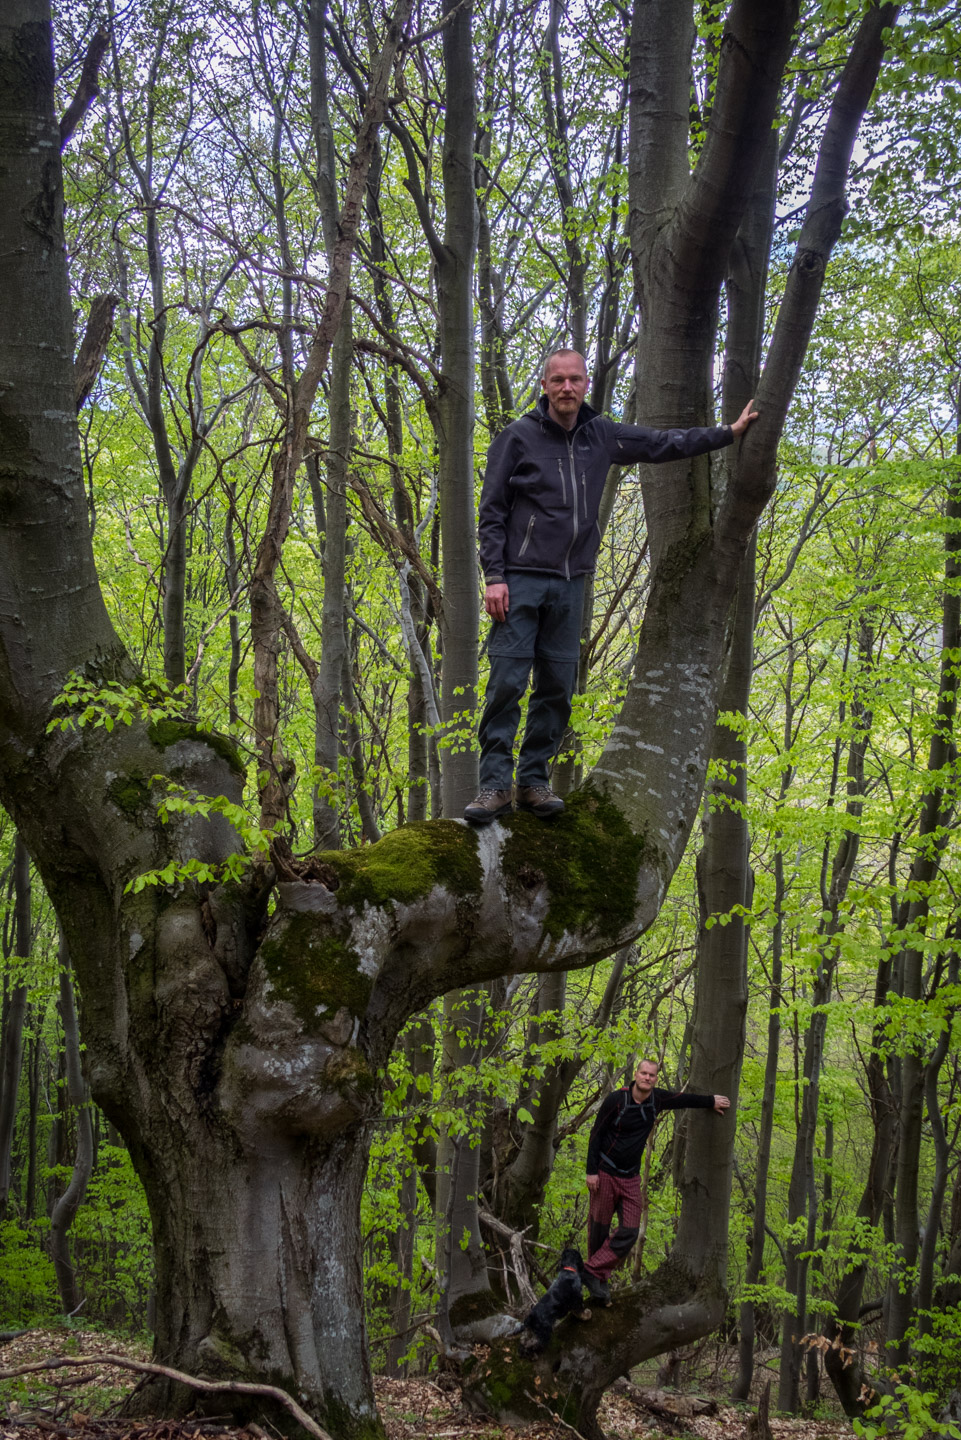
(687, 1100)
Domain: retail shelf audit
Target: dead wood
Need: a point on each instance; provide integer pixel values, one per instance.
(207, 1387)
(759, 1426)
(672, 1413)
(93, 347)
(88, 88)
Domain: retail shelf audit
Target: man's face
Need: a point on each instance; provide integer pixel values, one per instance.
(645, 1076)
(565, 385)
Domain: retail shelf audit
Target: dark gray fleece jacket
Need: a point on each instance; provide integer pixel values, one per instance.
(543, 486)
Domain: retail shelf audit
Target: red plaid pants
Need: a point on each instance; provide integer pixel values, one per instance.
(614, 1193)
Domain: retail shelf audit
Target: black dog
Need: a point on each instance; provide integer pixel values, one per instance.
(563, 1298)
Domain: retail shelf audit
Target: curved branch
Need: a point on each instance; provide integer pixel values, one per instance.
(207, 1387)
(821, 229)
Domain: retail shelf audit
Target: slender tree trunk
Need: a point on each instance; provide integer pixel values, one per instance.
(939, 1184)
(841, 1360)
(412, 590)
(802, 1195)
(455, 284)
(556, 124)
(747, 1326)
(526, 1180)
(65, 1210)
(232, 576)
(461, 1259)
(11, 1058)
(401, 1243)
(30, 1189)
(327, 687)
(932, 840)
(266, 611)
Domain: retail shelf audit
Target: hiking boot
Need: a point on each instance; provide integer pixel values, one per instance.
(487, 805)
(597, 1288)
(540, 800)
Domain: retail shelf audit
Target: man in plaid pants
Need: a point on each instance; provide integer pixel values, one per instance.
(614, 1154)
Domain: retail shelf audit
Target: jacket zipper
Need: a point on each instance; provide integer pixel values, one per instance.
(527, 537)
(567, 557)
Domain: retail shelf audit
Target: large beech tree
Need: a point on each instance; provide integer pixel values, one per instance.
(237, 1047)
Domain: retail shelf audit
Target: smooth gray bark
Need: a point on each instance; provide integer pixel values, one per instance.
(455, 406)
(65, 1209)
(937, 807)
(14, 1017)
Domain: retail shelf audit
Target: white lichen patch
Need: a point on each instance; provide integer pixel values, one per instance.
(370, 939)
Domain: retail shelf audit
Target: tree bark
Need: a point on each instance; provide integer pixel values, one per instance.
(802, 1199)
(939, 1185)
(842, 1361)
(14, 1016)
(65, 1210)
(93, 347)
(327, 687)
(937, 806)
(455, 407)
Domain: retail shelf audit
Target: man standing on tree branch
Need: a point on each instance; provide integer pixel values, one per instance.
(539, 539)
(614, 1154)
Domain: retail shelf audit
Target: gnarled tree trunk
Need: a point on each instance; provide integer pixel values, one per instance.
(240, 1057)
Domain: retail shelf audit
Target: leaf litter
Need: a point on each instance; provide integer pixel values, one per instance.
(67, 1405)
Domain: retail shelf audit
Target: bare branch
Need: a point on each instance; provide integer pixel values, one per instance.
(93, 347)
(207, 1387)
(88, 89)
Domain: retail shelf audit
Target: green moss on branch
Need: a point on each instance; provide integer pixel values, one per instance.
(589, 858)
(406, 865)
(164, 733)
(130, 793)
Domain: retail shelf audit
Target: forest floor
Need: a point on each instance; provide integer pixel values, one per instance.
(81, 1403)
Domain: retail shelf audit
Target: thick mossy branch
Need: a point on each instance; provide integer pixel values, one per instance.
(476, 1305)
(406, 865)
(589, 858)
(164, 733)
(374, 933)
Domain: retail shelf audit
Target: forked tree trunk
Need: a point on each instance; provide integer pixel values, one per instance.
(238, 1054)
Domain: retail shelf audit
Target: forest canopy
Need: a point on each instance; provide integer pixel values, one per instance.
(298, 1070)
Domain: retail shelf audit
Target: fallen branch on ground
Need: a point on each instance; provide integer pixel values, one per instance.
(209, 1387)
(672, 1412)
